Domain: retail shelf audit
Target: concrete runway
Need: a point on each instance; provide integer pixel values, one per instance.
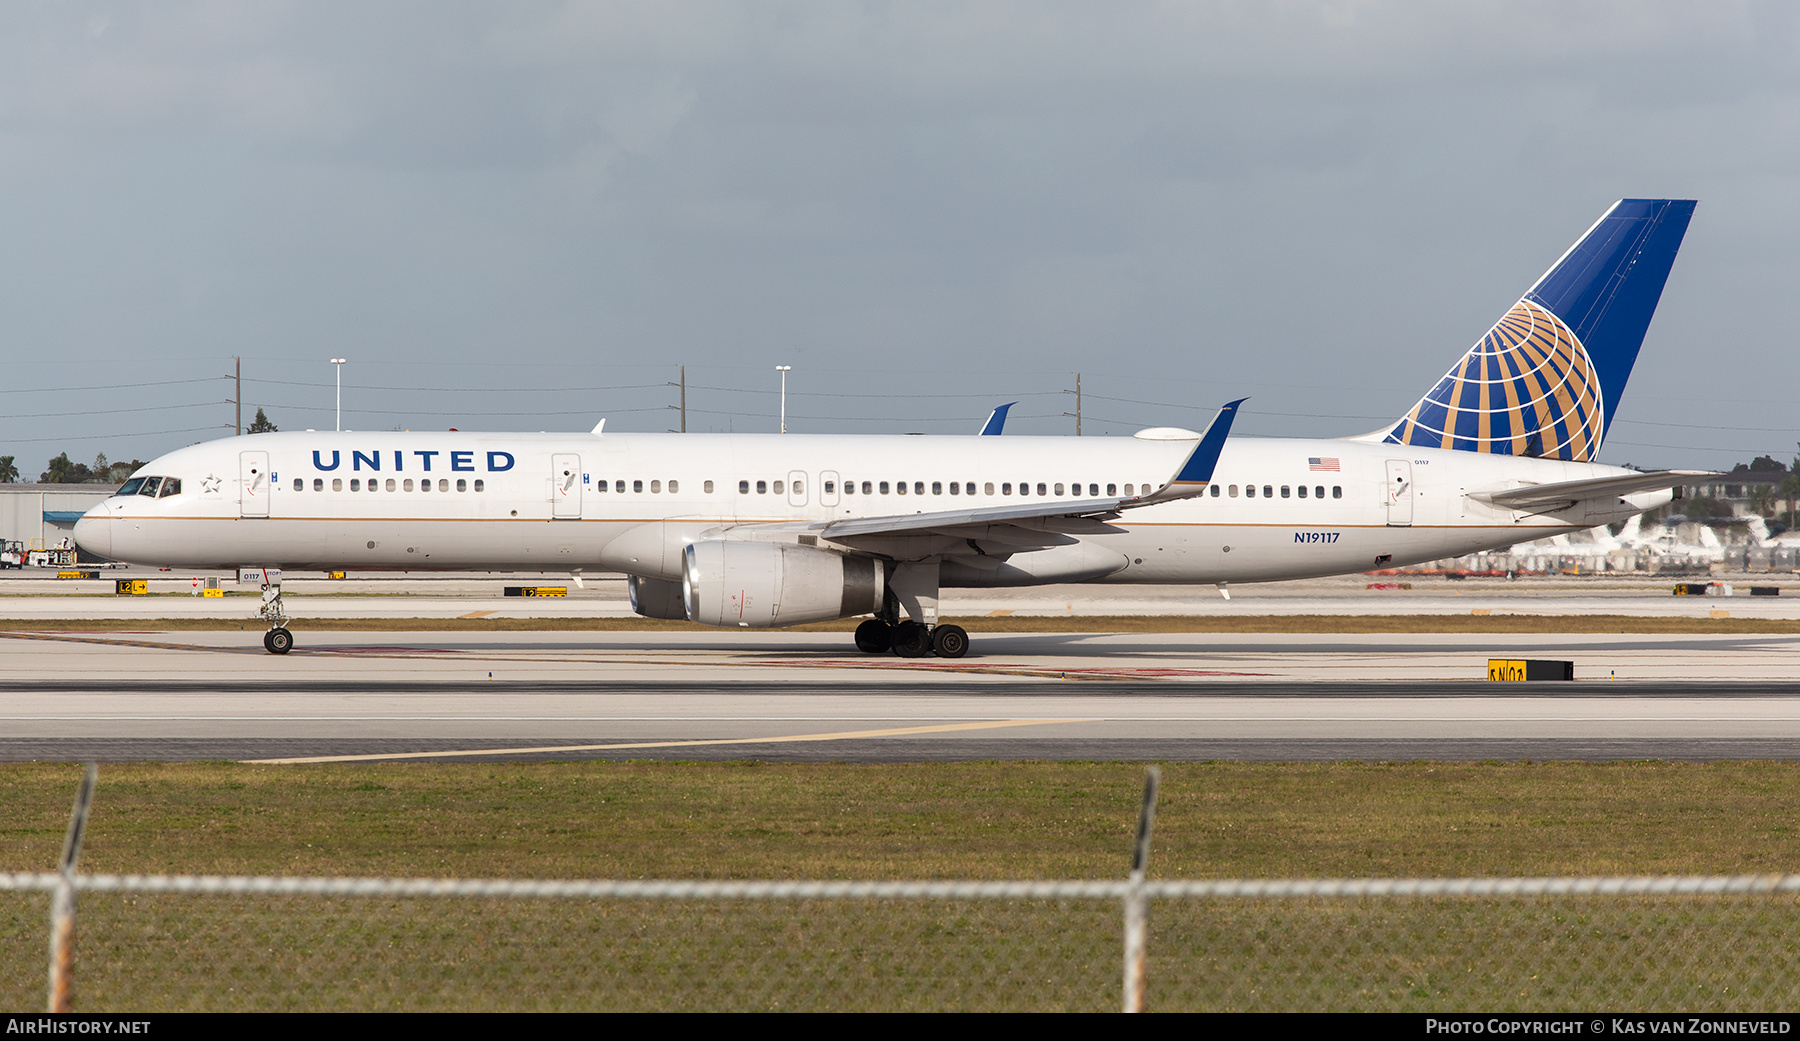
(789, 696)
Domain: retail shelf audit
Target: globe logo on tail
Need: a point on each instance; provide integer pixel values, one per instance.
(1528, 388)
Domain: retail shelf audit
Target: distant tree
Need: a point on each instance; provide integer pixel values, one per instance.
(118, 472)
(9, 470)
(1790, 490)
(1765, 464)
(59, 471)
(261, 424)
(1763, 500)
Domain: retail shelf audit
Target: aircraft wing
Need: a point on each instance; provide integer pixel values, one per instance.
(1544, 498)
(1041, 517)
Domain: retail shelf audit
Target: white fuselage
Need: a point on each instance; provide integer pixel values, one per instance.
(534, 501)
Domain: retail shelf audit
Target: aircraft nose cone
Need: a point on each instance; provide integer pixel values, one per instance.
(93, 532)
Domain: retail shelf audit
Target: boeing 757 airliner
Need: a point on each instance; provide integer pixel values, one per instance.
(755, 531)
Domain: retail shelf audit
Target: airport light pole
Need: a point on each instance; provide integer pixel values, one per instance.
(339, 362)
(783, 369)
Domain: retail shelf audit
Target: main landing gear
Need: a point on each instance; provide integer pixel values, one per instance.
(910, 639)
(913, 586)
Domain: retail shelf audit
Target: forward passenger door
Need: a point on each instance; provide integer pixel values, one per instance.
(565, 486)
(253, 475)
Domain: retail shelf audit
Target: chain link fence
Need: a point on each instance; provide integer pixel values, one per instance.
(173, 943)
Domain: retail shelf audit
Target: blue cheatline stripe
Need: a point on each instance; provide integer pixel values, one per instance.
(1200, 465)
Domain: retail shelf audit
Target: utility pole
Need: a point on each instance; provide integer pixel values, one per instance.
(238, 378)
(339, 362)
(783, 369)
(1077, 412)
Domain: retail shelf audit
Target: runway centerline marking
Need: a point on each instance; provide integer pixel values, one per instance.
(838, 736)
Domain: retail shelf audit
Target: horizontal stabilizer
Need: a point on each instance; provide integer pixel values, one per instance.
(1541, 498)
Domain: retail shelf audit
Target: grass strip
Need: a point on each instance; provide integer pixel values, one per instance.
(956, 820)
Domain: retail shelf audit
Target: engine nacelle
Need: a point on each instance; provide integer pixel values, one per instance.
(761, 585)
(654, 598)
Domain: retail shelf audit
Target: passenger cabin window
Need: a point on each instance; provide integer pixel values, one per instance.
(988, 488)
(1337, 491)
(406, 485)
(480, 485)
(1303, 491)
(390, 484)
(900, 486)
(1318, 492)
(1232, 491)
(1249, 491)
(866, 488)
(937, 487)
(707, 487)
(1215, 491)
(778, 488)
(1113, 489)
(462, 484)
(1268, 491)
(1285, 491)
(799, 487)
(762, 487)
(918, 487)
(884, 487)
(674, 486)
(337, 484)
(655, 487)
(600, 486)
(638, 487)
(619, 487)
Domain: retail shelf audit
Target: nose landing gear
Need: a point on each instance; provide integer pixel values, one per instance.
(277, 640)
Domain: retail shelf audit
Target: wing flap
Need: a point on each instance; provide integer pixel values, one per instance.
(1538, 497)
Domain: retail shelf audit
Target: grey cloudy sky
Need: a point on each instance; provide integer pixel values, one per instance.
(525, 215)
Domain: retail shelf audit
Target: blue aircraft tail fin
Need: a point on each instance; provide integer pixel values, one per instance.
(1547, 377)
(996, 420)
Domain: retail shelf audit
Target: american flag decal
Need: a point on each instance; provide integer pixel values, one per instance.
(1328, 462)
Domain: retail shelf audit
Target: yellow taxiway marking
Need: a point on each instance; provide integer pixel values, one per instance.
(842, 735)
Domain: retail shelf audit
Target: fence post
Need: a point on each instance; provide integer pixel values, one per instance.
(62, 903)
(1136, 905)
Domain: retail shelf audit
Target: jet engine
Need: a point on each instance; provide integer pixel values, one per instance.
(654, 598)
(761, 585)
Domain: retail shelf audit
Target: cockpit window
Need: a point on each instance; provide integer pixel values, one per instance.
(131, 487)
(170, 486)
(150, 486)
